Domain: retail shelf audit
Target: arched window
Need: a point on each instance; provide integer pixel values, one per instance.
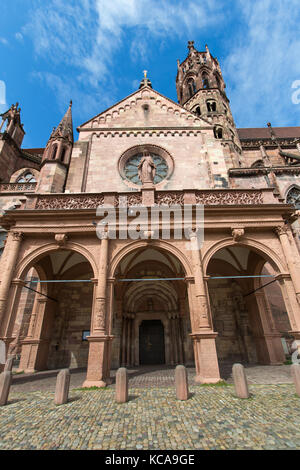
(205, 81)
(197, 110)
(218, 82)
(293, 197)
(258, 164)
(211, 106)
(27, 177)
(191, 87)
(54, 152)
(63, 154)
(218, 131)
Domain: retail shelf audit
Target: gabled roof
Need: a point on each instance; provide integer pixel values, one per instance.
(154, 97)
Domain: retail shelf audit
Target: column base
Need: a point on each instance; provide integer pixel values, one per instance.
(98, 367)
(206, 360)
(207, 380)
(94, 383)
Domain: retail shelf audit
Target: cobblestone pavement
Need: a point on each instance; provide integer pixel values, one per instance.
(213, 418)
(150, 377)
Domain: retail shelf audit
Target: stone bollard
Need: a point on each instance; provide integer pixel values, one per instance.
(181, 383)
(62, 387)
(9, 363)
(5, 383)
(240, 381)
(122, 385)
(295, 369)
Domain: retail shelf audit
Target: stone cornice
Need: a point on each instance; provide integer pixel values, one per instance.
(264, 170)
(255, 143)
(149, 130)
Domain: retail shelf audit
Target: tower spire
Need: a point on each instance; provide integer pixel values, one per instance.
(65, 128)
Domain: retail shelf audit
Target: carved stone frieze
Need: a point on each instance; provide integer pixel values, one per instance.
(229, 197)
(168, 199)
(70, 202)
(17, 187)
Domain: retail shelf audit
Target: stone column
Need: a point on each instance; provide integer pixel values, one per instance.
(99, 339)
(291, 303)
(289, 254)
(110, 310)
(124, 330)
(271, 337)
(34, 347)
(203, 336)
(8, 264)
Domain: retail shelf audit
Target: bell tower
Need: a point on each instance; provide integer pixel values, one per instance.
(201, 89)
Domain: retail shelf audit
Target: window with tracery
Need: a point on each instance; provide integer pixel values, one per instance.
(27, 177)
(293, 197)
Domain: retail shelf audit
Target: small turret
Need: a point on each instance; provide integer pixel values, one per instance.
(11, 122)
(61, 140)
(57, 155)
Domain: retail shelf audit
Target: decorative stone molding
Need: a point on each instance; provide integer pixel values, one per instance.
(61, 239)
(134, 199)
(17, 187)
(229, 197)
(76, 201)
(168, 199)
(100, 314)
(237, 234)
(213, 197)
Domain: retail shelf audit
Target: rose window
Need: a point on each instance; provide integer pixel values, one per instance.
(131, 168)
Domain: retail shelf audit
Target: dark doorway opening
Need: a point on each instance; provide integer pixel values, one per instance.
(152, 342)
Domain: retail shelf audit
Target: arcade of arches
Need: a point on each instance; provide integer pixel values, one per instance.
(150, 309)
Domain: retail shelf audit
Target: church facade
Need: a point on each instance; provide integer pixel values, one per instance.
(75, 293)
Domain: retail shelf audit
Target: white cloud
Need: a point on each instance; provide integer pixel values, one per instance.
(3, 105)
(19, 37)
(87, 35)
(263, 63)
(4, 41)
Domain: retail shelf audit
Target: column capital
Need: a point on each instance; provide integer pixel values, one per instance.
(17, 236)
(281, 230)
(282, 276)
(18, 282)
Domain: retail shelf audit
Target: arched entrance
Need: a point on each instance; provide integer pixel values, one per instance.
(54, 333)
(152, 320)
(248, 329)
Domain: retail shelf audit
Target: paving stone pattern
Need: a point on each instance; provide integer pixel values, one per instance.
(213, 418)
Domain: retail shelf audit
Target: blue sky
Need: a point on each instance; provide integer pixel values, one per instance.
(94, 52)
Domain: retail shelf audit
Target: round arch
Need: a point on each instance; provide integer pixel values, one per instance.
(264, 251)
(37, 254)
(160, 245)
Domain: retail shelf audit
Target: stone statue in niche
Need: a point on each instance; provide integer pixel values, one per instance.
(146, 169)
